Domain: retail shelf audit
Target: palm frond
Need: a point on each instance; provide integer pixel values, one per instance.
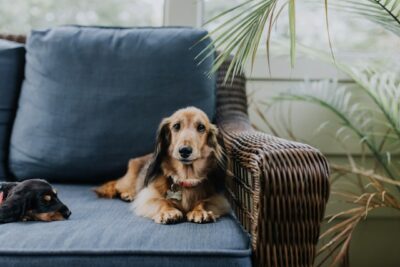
(245, 23)
(383, 12)
(384, 88)
(338, 235)
(327, 29)
(339, 100)
(381, 82)
(292, 27)
(242, 31)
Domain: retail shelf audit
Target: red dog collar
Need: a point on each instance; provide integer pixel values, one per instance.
(1, 197)
(186, 184)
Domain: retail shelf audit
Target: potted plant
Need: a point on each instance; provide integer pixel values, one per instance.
(373, 123)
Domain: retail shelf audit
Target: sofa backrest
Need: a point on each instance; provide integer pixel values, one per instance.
(12, 58)
(93, 97)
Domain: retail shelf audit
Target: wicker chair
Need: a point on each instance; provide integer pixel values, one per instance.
(278, 189)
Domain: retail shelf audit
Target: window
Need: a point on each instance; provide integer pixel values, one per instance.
(20, 16)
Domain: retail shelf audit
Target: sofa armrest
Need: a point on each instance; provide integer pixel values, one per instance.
(12, 37)
(278, 189)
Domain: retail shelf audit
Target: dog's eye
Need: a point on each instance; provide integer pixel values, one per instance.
(176, 126)
(201, 128)
(47, 198)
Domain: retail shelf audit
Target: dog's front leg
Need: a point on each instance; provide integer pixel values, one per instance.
(168, 213)
(209, 210)
(151, 204)
(199, 214)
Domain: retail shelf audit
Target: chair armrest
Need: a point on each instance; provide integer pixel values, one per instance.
(278, 189)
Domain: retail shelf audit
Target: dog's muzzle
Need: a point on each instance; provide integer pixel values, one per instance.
(65, 212)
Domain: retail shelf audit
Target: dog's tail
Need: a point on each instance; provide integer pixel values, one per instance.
(107, 190)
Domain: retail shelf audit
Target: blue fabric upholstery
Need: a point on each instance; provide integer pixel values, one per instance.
(106, 233)
(93, 98)
(12, 60)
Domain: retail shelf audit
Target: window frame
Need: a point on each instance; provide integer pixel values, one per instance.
(183, 13)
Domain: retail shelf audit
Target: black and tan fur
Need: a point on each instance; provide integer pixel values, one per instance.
(149, 177)
(31, 200)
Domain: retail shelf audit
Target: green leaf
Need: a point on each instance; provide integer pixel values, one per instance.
(338, 100)
(292, 29)
(328, 31)
(383, 12)
(239, 35)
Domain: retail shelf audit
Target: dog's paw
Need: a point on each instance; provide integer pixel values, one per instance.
(201, 216)
(126, 196)
(168, 216)
(106, 190)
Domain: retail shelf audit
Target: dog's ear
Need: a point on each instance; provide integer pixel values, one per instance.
(212, 138)
(7, 187)
(14, 207)
(162, 144)
(215, 141)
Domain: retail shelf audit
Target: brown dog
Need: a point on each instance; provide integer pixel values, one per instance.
(183, 177)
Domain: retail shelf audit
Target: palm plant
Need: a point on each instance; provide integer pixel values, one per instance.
(374, 124)
(246, 23)
(375, 128)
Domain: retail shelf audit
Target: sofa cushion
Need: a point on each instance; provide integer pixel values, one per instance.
(12, 60)
(103, 232)
(93, 98)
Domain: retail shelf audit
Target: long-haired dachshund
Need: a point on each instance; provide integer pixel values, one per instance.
(30, 200)
(184, 177)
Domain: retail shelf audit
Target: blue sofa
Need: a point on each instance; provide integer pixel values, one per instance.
(77, 102)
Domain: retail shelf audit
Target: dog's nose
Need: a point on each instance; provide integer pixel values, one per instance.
(185, 151)
(66, 212)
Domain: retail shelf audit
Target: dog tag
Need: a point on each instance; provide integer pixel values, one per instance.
(174, 195)
(1, 197)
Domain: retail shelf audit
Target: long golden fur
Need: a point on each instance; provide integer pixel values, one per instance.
(188, 155)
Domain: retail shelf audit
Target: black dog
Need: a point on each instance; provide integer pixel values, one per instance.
(30, 200)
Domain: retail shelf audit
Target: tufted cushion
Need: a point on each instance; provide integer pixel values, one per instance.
(93, 98)
(12, 60)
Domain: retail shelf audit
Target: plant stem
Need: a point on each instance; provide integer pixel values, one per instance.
(388, 11)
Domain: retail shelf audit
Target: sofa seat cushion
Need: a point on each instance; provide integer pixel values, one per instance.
(93, 98)
(103, 232)
(12, 60)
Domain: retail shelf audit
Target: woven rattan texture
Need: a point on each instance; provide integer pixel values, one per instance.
(279, 188)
